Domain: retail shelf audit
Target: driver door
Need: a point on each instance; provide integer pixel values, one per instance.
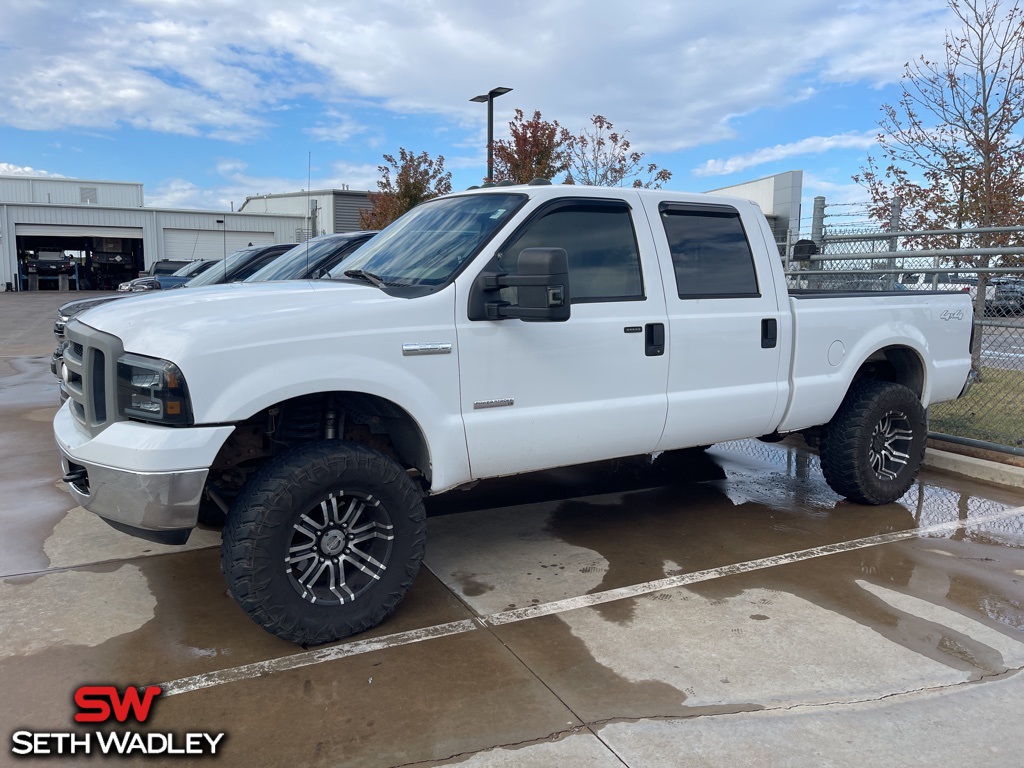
(547, 394)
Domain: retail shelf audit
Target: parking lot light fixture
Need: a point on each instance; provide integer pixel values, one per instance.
(489, 98)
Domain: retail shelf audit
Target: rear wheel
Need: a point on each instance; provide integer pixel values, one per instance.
(324, 542)
(872, 449)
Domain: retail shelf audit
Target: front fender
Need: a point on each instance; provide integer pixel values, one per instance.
(425, 386)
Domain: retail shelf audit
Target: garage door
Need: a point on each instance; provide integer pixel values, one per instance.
(188, 244)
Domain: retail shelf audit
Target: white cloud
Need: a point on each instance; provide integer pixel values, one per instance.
(812, 145)
(675, 74)
(335, 127)
(234, 184)
(9, 169)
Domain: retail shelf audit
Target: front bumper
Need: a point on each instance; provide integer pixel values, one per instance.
(142, 479)
(157, 506)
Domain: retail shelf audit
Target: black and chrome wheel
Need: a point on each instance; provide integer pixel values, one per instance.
(891, 443)
(324, 541)
(340, 549)
(872, 449)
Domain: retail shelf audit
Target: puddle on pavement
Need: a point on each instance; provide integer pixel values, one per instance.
(591, 687)
(85, 608)
(31, 384)
(773, 501)
(740, 502)
(81, 538)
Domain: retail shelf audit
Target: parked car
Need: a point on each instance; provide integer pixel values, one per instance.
(49, 263)
(163, 281)
(948, 281)
(1009, 296)
(164, 267)
(313, 258)
(237, 267)
(240, 265)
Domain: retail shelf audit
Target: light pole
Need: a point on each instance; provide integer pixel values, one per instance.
(489, 98)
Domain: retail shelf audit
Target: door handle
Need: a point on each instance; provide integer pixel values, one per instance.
(769, 333)
(654, 339)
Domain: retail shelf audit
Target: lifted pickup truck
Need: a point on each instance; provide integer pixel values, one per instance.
(486, 333)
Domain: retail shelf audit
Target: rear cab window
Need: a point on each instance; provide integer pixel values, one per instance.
(711, 255)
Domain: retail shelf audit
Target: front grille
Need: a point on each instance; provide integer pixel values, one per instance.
(90, 379)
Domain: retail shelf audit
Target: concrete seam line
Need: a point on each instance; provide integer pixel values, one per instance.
(359, 647)
(319, 656)
(637, 590)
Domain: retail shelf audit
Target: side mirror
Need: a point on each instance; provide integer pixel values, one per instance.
(542, 280)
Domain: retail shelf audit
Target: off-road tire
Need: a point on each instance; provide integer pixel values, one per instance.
(872, 449)
(277, 518)
(210, 514)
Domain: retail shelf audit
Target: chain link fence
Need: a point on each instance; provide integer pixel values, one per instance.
(862, 259)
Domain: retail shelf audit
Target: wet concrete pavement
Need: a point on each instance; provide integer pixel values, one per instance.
(728, 610)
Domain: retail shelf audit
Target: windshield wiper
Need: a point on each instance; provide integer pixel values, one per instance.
(369, 277)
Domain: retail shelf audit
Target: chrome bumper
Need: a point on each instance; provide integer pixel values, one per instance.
(158, 506)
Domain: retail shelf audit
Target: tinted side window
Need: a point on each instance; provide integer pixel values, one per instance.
(604, 261)
(710, 253)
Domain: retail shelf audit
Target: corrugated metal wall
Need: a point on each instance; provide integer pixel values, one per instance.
(27, 189)
(337, 209)
(346, 210)
(188, 244)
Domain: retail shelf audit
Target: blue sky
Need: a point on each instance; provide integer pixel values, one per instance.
(206, 102)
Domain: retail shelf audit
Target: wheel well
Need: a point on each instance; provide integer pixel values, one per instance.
(354, 416)
(900, 365)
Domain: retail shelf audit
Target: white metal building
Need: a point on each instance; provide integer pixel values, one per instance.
(107, 222)
(779, 198)
(329, 210)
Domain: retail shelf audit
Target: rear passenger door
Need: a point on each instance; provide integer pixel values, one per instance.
(724, 324)
(546, 394)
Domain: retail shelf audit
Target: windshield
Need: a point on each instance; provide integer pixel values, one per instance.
(215, 274)
(50, 256)
(427, 246)
(192, 268)
(302, 259)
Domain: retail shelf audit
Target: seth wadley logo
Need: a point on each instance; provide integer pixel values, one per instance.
(101, 704)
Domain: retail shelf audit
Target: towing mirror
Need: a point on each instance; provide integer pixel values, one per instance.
(542, 280)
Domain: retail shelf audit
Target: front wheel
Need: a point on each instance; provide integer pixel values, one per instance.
(872, 449)
(324, 542)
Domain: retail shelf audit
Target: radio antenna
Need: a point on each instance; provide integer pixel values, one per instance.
(309, 212)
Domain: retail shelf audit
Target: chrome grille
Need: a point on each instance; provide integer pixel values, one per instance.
(90, 359)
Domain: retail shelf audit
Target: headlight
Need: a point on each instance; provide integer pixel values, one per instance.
(124, 287)
(152, 390)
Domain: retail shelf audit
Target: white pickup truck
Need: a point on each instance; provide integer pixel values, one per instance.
(492, 332)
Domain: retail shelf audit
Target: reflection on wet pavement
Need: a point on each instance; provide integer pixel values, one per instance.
(739, 503)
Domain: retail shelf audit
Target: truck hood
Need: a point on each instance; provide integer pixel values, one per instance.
(177, 324)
